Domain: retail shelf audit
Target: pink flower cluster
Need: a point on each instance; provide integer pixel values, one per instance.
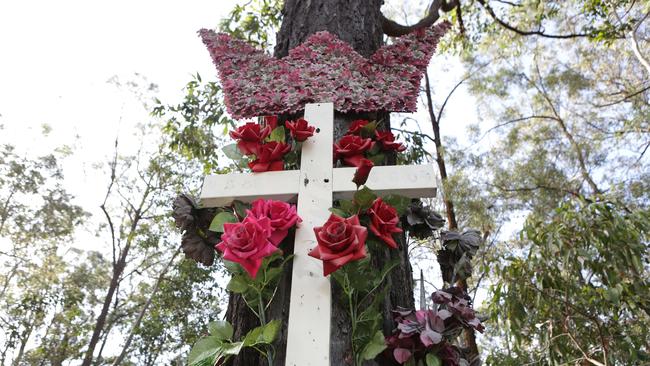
(324, 68)
(248, 242)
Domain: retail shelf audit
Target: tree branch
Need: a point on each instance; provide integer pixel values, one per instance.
(394, 29)
(540, 33)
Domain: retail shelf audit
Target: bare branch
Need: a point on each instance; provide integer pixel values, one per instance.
(394, 29)
(539, 32)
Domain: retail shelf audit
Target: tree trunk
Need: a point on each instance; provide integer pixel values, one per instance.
(357, 22)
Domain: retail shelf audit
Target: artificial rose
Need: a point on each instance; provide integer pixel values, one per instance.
(271, 121)
(356, 126)
(247, 243)
(339, 241)
(351, 148)
(387, 141)
(300, 130)
(362, 172)
(283, 217)
(269, 157)
(383, 222)
(249, 137)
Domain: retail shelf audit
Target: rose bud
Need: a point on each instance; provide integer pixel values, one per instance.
(383, 222)
(339, 241)
(269, 157)
(356, 126)
(271, 121)
(351, 149)
(283, 217)
(362, 172)
(249, 137)
(300, 130)
(387, 141)
(247, 243)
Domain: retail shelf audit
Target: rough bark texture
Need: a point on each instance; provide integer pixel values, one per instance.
(357, 22)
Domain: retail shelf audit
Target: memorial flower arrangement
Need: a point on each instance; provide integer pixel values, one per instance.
(351, 245)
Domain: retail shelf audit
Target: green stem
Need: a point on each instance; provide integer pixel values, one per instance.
(262, 316)
(353, 321)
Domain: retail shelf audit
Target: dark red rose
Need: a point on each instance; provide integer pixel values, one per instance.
(362, 172)
(269, 157)
(247, 243)
(350, 148)
(283, 217)
(249, 137)
(339, 241)
(300, 129)
(271, 121)
(356, 126)
(387, 141)
(383, 222)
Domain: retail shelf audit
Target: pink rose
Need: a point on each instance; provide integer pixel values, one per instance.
(269, 157)
(300, 129)
(247, 243)
(383, 222)
(282, 215)
(387, 141)
(351, 149)
(249, 137)
(339, 242)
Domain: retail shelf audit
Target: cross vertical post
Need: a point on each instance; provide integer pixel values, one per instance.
(309, 310)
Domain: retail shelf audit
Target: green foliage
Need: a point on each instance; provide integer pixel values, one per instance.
(196, 126)
(254, 22)
(361, 285)
(218, 348)
(220, 219)
(579, 290)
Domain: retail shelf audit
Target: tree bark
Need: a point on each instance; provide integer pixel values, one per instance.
(357, 22)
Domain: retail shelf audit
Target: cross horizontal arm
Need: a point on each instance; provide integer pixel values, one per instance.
(413, 181)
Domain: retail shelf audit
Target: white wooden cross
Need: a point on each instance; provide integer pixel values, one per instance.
(315, 185)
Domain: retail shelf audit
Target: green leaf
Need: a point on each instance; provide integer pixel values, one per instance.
(220, 329)
(432, 360)
(240, 208)
(238, 284)
(339, 212)
(232, 348)
(277, 134)
(220, 219)
(369, 129)
(377, 159)
(376, 345)
(270, 331)
(400, 203)
(348, 206)
(204, 351)
(364, 198)
(232, 152)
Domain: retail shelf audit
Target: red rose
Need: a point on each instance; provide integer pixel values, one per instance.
(339, 242)
(271, 121)
(362, 172)
(269, 157)
(351, 149)
(283, 217)
(249, 137)
(387, 141)
(383, 222)
(356, 126)
(300, 129)
(247, 243)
